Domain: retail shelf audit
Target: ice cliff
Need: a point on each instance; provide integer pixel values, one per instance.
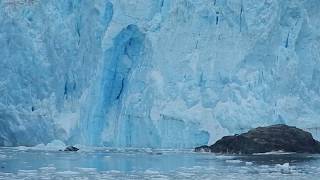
(156, 73)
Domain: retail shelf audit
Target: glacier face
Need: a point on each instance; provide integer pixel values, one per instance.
(156, 73)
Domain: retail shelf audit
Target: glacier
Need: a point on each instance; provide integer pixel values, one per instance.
(156, 73)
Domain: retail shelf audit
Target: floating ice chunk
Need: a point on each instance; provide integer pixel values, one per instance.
(185, 174)
(148, 150)
(235, 161)
(284, 168)
(67, 173)
(27, 173)
(225, 157)
(22, 148)
(274, 153)
(87, 169)
(40, 146)
(55, 144)
(114, 171)
(148, 171)
(47, 169)
(285, 165)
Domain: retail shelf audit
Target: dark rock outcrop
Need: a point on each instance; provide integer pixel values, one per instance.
(266, 139)
(71, 148)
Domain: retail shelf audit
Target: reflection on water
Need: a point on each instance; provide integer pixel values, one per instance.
(153, 164)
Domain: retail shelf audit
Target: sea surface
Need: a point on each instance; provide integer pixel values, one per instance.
(103, 163)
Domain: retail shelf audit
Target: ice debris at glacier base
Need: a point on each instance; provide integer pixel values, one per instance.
(156, 73)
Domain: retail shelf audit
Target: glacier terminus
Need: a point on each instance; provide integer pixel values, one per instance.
(156, 73)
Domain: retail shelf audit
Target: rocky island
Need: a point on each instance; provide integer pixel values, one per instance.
(266, 139)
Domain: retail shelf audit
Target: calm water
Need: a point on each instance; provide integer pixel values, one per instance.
(24, 163)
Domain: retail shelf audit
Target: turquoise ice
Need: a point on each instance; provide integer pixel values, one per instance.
(156, 73)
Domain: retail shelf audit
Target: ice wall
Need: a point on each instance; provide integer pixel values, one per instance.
(156, 73)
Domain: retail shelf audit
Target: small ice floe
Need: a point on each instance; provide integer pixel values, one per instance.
(185, 174)
(39, 147)
(264, 166)
(2, 156)
(284, 168)
(55, 145)
(52, 146)
(225, 157)
(50, 169)
(148, 171)
(274, 153)
(25, 173)
(159, 177)
(67, 173)
(234, 161)
(147, 150)
(87, 170)
(195, 168)
(114, 171)
(249, 163)
(22, 148)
